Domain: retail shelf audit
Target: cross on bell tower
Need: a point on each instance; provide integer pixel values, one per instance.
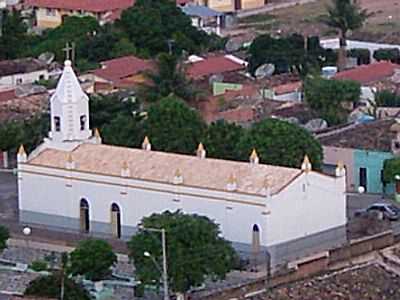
(69, 51)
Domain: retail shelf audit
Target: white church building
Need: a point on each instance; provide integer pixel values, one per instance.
(74, 182)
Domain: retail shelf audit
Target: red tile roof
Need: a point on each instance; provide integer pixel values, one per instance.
(286, 88)
(238, 115)
(118, 69)
(369, 73)
(86, 5)
(213, 65)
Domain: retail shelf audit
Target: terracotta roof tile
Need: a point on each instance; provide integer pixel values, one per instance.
(86, 5)
(286, 88)
(369, 73)
(213, 65)
(116, 70)
(161, 166)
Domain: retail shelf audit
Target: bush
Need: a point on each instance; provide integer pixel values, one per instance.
(4, 235)
(39, 265)
(391, 168)
(92, 259)
(392, 54)
(387, 98)
(363, 56)
(50, 287)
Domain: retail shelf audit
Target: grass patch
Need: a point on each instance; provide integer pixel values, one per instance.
(257, 19)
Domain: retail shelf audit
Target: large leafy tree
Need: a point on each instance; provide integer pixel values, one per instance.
(173, 126)
(152, 25)
(169, 78)
(195, 250)
(13, 37)
(330, 99)
(4, 235)
(281, 143)
(345, 15)
(221, 140)
(93, 259)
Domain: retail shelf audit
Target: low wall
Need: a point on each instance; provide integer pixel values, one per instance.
(304, 268)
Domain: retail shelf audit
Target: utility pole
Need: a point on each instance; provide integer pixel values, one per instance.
(165, 272)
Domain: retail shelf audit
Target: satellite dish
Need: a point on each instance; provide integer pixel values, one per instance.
(47, 57)
(264, 70)
(316, 124)
(232, 46)
(215, 78)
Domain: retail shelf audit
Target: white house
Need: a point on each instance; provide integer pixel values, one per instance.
(74, 182)
(22, 71)
(204, 17)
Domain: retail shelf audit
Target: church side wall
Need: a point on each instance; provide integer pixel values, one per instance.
(308, 216)
(51, 197)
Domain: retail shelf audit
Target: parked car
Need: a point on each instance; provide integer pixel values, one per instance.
(387, 211)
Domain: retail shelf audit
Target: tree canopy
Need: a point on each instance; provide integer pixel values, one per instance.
(195, 250)
(345, 15)
(281, 143)
(391, 168)
(173, 126)
(330, 99)
(4, 235)
(169, 78)
(13, 37)
(158, 26)
(93, 259)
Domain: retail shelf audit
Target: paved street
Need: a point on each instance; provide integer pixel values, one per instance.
(8, 196)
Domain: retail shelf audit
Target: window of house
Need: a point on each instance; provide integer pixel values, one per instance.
(19, 80)
(57, 123)
(41, 77)
(83, 122)
(363, 178)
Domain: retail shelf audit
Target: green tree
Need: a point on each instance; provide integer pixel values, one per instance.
(168, 79)
(391, 168)
(330, 99)
(93, 259)
(124, 131)
(386, 98)
(152, 25)
(173, 126)
(13, 37)
(281, 143)
(345, 15)
(195, 250)
(50, 287)
(388, 54)
(221, 140)
(4, 236)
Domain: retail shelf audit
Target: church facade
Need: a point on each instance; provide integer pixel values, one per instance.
(74, 182)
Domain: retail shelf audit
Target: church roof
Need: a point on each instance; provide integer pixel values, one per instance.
(161, 167)
(68, 87)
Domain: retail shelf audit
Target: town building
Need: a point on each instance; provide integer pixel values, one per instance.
(119, 73)
(74, 182)
(204, 18)
(230, 6)
(51, 13)
(363, 148)
(22, 71)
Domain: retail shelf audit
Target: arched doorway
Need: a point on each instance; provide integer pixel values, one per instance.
(84, 216)
(115, 220)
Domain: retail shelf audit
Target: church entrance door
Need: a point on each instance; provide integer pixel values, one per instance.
(115, 220)
(84, 216)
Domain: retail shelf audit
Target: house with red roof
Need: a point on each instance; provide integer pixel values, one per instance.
(121, 72)
(212, 65)
(51, 13)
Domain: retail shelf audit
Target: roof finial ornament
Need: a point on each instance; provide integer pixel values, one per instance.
(178, 177)
(340, 169)
(306, 165)
(232, 183)
(254, 159)
(70, 164)
(201, 152)
(125, 171)
(146, 144)
(266, 190)
(22, 156)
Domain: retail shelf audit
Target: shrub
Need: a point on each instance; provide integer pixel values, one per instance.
(363, 56)
(39, 265)
(392, 54)
(4, 235)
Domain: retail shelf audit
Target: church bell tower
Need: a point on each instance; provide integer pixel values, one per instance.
(69, 107)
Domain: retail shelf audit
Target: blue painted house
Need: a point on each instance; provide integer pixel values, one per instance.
(363, 148)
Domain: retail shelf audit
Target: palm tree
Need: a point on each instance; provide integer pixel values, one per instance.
(345, 15)
(169, 78)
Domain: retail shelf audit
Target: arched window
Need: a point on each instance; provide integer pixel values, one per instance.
(83, 122)
(115, 220)
(255, 241)
(84, 216)
(57, 123)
